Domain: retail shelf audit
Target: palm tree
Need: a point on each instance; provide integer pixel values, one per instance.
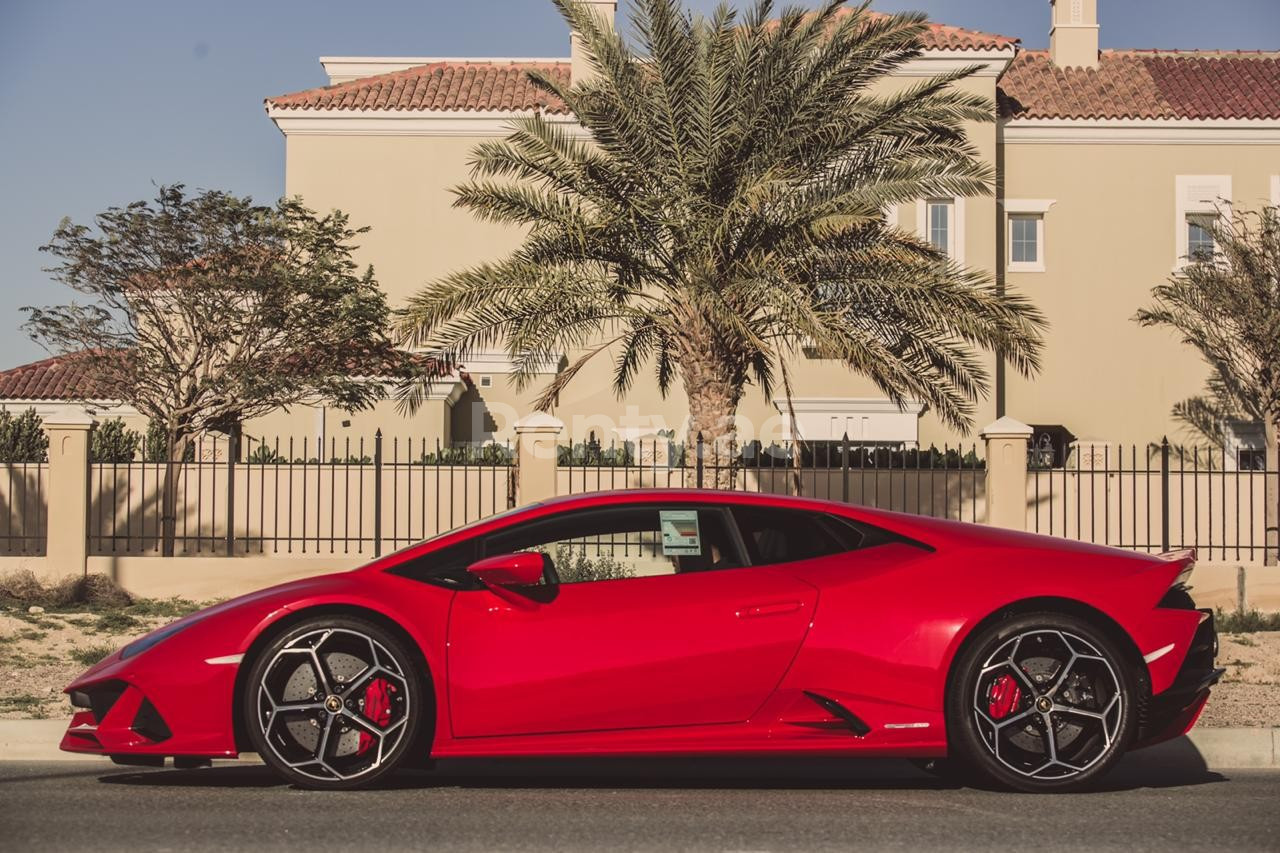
(1226, 304)
(727, 212)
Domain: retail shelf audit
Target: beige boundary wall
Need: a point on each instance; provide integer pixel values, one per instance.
(1223, 578)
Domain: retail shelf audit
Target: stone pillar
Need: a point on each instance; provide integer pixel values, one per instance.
(536, 438)
(1007, 442)
(68, 492)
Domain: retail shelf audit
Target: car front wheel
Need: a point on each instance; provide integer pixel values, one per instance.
(334, 702)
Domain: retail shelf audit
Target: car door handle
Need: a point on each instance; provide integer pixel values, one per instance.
(773, 609)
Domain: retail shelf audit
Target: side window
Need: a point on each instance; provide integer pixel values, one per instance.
(625, 542)
(787, 535)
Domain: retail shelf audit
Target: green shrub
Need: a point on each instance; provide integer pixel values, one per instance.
(155, 445)
(22, 438)
(168, 607)
(264, 454)
(113, 442)
(1245, 621)
(89, 655)
(574, 566)
(115, 622)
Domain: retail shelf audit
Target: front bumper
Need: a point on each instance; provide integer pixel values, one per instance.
(152, 706)
(1173, 712)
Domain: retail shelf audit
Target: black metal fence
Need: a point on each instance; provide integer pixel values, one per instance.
(946, 483)
(297, 496)
(1156, 498)
(24, 511)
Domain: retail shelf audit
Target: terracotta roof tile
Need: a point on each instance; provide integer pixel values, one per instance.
(486, 85)
(457, 86)
(1134, 84)
(947, 37)
(64, 377)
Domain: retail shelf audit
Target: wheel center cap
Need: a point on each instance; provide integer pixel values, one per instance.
(333, 704)
(1044, 704)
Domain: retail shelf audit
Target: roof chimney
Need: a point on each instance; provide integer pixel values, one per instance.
(1073, 33)
(581, 66)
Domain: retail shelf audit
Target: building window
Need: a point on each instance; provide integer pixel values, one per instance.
(1025, 233)
(486, 381)
(1026, 242)
(1200, 245)
(1201, 200)
(940, 223)
(940, 232)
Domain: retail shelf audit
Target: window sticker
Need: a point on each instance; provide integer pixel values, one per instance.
(680, 533)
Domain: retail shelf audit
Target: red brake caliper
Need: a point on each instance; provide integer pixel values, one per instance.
(1003, 696)
(377, 709)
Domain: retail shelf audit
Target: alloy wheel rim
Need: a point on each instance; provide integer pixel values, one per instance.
(1047, 704)
(333, 704)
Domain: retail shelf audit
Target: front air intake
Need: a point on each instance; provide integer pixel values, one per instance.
(148, 723)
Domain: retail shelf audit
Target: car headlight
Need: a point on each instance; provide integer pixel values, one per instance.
(143, 643)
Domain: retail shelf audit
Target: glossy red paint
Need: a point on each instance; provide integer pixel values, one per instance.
(721, 661)
(508, 569)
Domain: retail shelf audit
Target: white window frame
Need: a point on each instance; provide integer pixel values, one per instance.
(1197, 194)
(873, 420)
(955, 228)
(1026, 207)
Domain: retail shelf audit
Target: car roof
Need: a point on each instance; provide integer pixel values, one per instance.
(712, 496)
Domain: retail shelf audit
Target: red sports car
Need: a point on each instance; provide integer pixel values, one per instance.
(678, 623)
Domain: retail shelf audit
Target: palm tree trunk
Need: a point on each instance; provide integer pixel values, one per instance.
(713, 402)
(1271, 514)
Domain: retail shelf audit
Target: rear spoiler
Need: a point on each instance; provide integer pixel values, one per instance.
(1186, 558)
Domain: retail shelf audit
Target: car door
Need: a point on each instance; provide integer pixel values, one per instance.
(656, 622)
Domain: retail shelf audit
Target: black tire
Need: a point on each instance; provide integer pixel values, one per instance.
(292, 709)
(1057, 722)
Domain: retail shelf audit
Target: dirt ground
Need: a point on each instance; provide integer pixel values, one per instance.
(41, 654)
(1249, 694)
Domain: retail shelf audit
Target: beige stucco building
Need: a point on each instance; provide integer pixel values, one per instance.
(1107, 163)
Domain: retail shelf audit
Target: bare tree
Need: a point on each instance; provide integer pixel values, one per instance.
(206, 310)
(1226, 304)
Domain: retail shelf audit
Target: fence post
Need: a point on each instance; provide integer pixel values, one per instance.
(536, 457)
(67, 550)
(377, 493)
(1007, 443)
(698, 454)
(844, 468)
(233, 452)
(1164, 494)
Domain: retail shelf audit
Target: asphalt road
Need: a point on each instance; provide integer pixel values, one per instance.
(689, 805)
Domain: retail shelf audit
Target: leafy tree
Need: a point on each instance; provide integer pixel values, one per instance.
(1227, 306)
(727, 213)
(22, 438)
(207, 309)
(114, 442)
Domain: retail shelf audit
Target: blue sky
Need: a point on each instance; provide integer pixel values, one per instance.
(99, 100)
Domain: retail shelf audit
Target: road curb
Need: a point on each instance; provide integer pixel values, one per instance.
(1218, 748)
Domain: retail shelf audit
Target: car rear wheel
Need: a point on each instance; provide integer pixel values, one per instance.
(1044, 702)
(334, 702)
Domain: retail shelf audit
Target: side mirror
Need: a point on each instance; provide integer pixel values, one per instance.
(521, 569)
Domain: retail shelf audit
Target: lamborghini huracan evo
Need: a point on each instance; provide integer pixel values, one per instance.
(679, 623)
